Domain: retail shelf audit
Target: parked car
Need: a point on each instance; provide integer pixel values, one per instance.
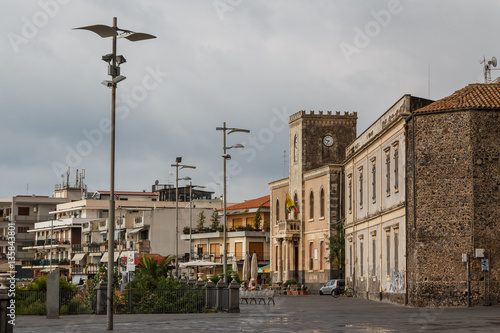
(331, 285)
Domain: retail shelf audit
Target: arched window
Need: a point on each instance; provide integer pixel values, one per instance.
(322, 203)
(295, 148)
(277, 210)
(311, 205)
(321, 255)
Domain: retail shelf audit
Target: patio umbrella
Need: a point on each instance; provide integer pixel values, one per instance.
(254, 270)
(246, 269)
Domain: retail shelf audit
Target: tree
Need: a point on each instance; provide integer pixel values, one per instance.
(266, 226)
(150, 271)
(215, 220)
(336, 246)
(201, 220)
(257, 219)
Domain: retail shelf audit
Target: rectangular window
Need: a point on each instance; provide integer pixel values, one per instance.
(23, 211)
(350, 260)
(374, 184)
(396, 235)
(396, 168)
(311, 254)
(361, 258)
(374, 256)
(361, 187)
(321, 254)
(237, 222)
(388, 254)
(388, 171)
(22, 230)
(350, 193)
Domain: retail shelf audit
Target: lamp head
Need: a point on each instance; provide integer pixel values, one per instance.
(178, 159)
(108, 57)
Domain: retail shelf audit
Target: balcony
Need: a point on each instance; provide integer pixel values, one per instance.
(30, 263)
(139, 222)
(77, 269)
(77, 248)
(33, 218)
(87, 227)
(47, 243)
(93, 248)
(120, 224)
(143, 245)
(91, 269)
(288, 228)
(103, 225)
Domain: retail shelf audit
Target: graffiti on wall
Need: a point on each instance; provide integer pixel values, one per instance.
(397, 281)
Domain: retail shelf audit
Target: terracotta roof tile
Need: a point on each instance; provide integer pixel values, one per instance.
(254, 203)
(473, 96)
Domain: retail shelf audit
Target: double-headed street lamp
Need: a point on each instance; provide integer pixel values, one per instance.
(182, 166)
(225, 157)
(114, 62)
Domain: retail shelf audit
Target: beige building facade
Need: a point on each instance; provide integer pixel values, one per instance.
(299, 241)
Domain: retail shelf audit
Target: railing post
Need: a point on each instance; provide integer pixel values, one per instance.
(129, 301)
(210, 296)
(234, 295)
(102, 292)
(220, 286)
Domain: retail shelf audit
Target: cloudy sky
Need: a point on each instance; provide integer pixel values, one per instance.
(249, 63)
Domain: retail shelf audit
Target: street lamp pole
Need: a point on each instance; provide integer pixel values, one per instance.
(113, 70)
(191, 218)
(225, 157)
(177, 165)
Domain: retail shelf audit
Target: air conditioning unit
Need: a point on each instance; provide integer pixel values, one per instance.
(34, 209)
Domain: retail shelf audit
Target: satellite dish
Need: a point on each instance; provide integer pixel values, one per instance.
(493, 62)
(157, 182)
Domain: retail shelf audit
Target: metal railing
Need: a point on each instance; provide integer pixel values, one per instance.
(31, 302)
(43, 262)
(77, 302)
(77, 248)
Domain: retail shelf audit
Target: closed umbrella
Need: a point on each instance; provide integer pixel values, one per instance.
(254, 270)
(246, 268)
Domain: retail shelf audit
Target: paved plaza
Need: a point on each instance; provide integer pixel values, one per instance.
(311, 313)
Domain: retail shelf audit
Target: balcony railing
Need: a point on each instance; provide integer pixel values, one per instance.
(44, 262)
(77, 248)
(45, 242)
(77, 269)
(93, 248)
(33, 218)
(288, 228)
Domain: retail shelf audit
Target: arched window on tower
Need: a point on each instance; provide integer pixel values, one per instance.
(311, 205)
(322, 203)
(277, 210)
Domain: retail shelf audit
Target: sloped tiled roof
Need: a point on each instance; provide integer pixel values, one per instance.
(254, 203)
(473, 96)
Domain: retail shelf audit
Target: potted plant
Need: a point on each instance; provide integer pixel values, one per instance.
(186, 230)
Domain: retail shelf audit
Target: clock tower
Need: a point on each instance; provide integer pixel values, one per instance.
(317, 139)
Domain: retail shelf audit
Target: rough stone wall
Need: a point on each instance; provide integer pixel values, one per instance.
(343, 130)
(486, 187)
(451, 214)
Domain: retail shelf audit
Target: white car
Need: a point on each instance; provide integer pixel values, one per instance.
(330, 286)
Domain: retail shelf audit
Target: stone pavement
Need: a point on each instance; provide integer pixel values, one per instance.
(311, 313)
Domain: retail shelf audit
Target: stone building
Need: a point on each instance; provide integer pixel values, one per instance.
(317, 146)
(453, 199)
(374, 196)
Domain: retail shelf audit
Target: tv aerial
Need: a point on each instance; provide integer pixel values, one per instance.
(487, 68)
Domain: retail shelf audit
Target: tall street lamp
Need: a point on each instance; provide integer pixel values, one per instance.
(177, 165)
(191, 217)
(114, 62)
(225, 157)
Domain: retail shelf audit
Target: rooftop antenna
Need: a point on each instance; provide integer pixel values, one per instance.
(487, 68)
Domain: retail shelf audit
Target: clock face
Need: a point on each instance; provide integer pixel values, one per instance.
(328, 140)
